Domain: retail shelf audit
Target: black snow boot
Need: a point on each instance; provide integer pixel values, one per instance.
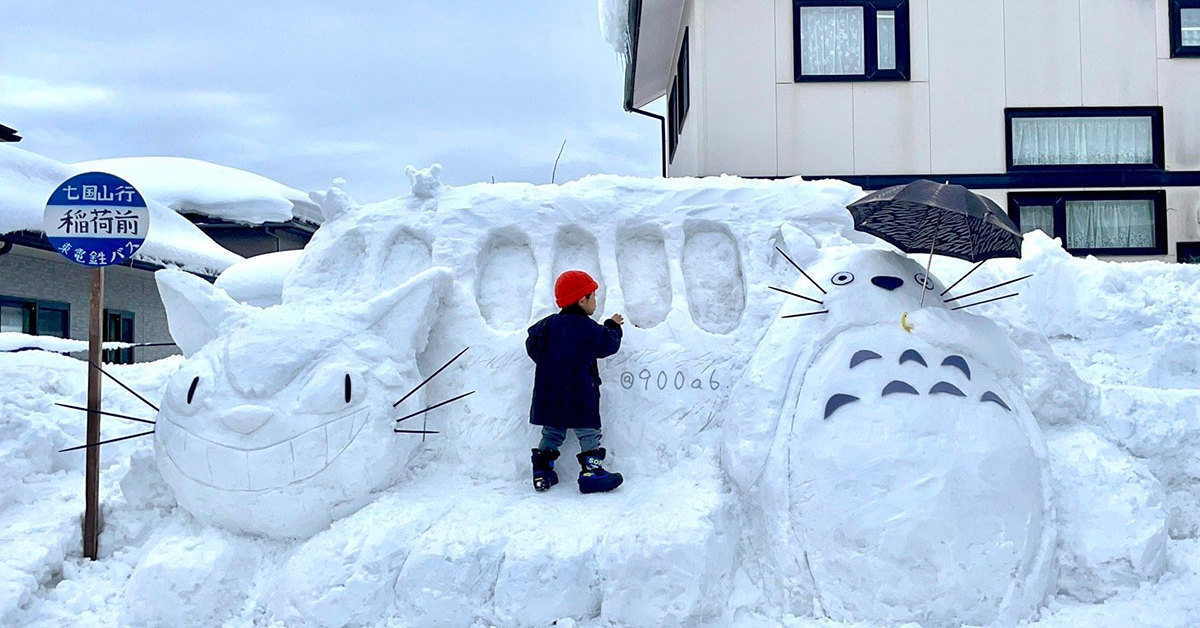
(543, 469)
(592, 476)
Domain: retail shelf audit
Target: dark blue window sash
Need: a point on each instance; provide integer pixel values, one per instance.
(1187, 252)
(36, 308)
(870, 41)
(1156, 131)
(1175, 11)
(1058, 200)
(679, 100)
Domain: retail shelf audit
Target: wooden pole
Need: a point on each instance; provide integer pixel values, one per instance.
(91, 514)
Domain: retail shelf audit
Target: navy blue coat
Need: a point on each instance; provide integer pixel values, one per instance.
(566, 382)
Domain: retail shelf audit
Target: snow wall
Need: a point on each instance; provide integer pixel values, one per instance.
(879, 461)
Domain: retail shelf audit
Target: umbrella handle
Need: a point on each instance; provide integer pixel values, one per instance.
(904, 324)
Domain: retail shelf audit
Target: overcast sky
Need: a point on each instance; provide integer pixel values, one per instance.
(305, 91)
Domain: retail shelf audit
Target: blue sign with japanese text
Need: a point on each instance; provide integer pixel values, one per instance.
(96, 219)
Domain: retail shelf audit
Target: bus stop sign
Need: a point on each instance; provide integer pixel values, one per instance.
(96, 219)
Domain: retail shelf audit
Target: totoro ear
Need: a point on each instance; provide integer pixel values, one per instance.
(404, 315)
(196, 309)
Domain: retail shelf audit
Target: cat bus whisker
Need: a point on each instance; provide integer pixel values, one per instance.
(122, 385)
(961, 307)
(785, 256)
(799, 296)
(436, 405)
(105, 442)
(112, 414)
(805, 314)
(973, 269)
(963, 296)
(435, 374)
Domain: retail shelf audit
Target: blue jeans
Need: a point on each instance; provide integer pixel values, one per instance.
(553, 437)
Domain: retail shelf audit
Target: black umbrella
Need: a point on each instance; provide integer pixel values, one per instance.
(939, 218)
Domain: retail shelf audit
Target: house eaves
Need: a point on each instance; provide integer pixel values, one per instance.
(653, 32)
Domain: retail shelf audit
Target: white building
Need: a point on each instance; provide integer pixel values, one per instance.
(1082, 117)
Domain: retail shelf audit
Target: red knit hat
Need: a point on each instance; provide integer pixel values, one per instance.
(572, 286)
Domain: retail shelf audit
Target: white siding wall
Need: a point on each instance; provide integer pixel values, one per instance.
(966, 85)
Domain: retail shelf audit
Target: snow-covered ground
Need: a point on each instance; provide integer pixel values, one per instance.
(1075, 501)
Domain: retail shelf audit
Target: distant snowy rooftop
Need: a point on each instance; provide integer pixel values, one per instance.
(171, 185)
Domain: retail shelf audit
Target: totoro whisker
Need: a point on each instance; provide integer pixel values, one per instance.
(112, 414)
(436, 405)
(105, 442)
(122, 385)
(963, 296)
(973, 269)
(785, 256)
(799, 296)
(435, 374)
(805, 314)
(400, 431)
(987, 301)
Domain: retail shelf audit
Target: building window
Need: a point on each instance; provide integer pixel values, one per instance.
(36, 318)
(1185, 28)
(1096, 223)
(850, 40)
(118, 327)
(1187, 252)
(1064, 138)
(679, 101)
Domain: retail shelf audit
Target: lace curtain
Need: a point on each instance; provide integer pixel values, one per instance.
(1034, 217)
(1108, 140)
(1191, 26)
(1109, 224)
(885, 28)
(831, 40)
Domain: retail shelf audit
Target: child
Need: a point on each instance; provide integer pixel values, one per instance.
(566, 382)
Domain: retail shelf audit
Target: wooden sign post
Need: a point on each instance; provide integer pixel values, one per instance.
(91, 512)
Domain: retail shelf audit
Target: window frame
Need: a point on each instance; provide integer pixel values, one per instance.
(118, 356)
(679, 100)
(36, 306)
(1155, 113)
(1059, 200)
(871, 71)
(1175, 11)
(1187, 251)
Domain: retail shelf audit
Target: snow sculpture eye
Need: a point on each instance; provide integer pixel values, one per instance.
(187, 389)
(331, 389)
(843, 278)
(922, 280)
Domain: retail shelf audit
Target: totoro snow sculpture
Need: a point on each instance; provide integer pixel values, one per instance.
(896, 470)
(281, 420)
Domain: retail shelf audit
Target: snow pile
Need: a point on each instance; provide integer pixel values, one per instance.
(200, 187)
(754, 494)
(258, 280)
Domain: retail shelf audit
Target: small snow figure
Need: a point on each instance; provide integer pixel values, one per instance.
(566, 383)
(425, 183)
(334, 201)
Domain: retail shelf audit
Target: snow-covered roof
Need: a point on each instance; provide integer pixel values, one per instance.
(194, 186)
(170, 185)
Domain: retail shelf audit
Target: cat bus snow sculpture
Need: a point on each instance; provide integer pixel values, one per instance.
(281, 420)
(897, 472)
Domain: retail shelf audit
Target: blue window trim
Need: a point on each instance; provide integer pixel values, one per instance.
(38, 305)
(870, 41)
(679, 102)
(1187, 252)
(1058, 200)
(1175, 11)
(1156, 131)
(119, 356)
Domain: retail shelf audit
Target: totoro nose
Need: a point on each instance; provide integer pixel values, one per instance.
(886, 282)
(246, 419)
